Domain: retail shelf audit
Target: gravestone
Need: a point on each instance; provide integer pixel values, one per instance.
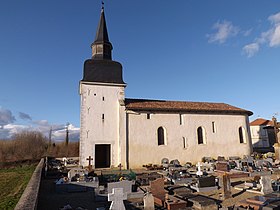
(149, 201)
(89, 163)
(226, 187)
(204, 184)
(157, 186)
(221, 158)
(203, 203)
(209, 181)
(117, 197)
(173, 203)
(222, 166)
(77, 174)
(157, 189)
(266, 186)
(175, 163)
(199, 172)
(124, 184)
(207, 159)
(165, 162)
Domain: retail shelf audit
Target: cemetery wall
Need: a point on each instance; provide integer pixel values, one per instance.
(29, 198)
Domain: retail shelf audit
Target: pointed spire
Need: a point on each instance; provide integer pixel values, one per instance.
(101, 47)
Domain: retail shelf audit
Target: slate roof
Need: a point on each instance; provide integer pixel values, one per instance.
(261, 121)
(182, 106)
(104, 71)
(102, 33)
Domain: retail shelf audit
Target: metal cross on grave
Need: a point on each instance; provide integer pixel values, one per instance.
(120, 167)
(117, 197)
(89, 163)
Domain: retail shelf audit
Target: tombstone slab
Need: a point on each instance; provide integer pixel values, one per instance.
(157, 189)
(266, 185)
(149, 202)
(226, 187)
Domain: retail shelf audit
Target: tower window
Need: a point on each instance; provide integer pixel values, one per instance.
(242, 136)
(185, 143)
(103, 99)
(181, 119)
(148, 116)
(213, 127)
(200, 135)
(94, 94)
(103, 117)
(161, 136)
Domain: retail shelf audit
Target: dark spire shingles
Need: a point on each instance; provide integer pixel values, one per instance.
(102, 33)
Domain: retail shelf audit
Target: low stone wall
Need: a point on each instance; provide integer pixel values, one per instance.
(29, 198)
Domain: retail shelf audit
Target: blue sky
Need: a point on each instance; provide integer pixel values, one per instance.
(190, 50)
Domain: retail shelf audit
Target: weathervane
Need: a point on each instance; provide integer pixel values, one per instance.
(102, 2)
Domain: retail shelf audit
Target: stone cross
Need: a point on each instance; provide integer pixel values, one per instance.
(117, 197)
(199, 172)
(266, 185)
(226, 186)
(89, 163)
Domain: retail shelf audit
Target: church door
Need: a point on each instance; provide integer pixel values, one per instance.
(102, 156)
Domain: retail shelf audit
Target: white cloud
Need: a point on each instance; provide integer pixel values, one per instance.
(60, 134)
(275, 37)
(58, 130)
(271, 37)
(275, 19)
(224, 30)
(11, 129)
(251, 49)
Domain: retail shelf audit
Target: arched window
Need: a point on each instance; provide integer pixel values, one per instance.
(161, 136)
(200, 135)
(242, 136)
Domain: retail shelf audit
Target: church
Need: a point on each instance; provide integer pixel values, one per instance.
(134, 132)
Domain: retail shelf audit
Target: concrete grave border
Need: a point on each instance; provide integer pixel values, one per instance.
(29, 198)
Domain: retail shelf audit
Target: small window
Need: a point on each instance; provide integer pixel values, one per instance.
(161, 136)
(103, 99)
(200, 135)
(94, 94)
(213, 127)
(185, 143)
(181, 119)
(148, 116)
(103, 117)
(242, 136)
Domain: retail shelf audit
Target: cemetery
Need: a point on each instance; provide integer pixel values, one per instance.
(251, 182)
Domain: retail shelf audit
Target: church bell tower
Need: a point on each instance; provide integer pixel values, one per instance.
(102, 113)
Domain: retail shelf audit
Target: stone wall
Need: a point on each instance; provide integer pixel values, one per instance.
(29, 198)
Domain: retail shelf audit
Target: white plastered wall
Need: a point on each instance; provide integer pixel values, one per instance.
(98, 100)
(259, 136)
(143, 144)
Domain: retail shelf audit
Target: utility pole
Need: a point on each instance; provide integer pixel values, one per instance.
(276, 127)
(50, 137)
(67, 134)
(276, 146)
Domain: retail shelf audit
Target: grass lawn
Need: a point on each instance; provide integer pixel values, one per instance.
(12, 184)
